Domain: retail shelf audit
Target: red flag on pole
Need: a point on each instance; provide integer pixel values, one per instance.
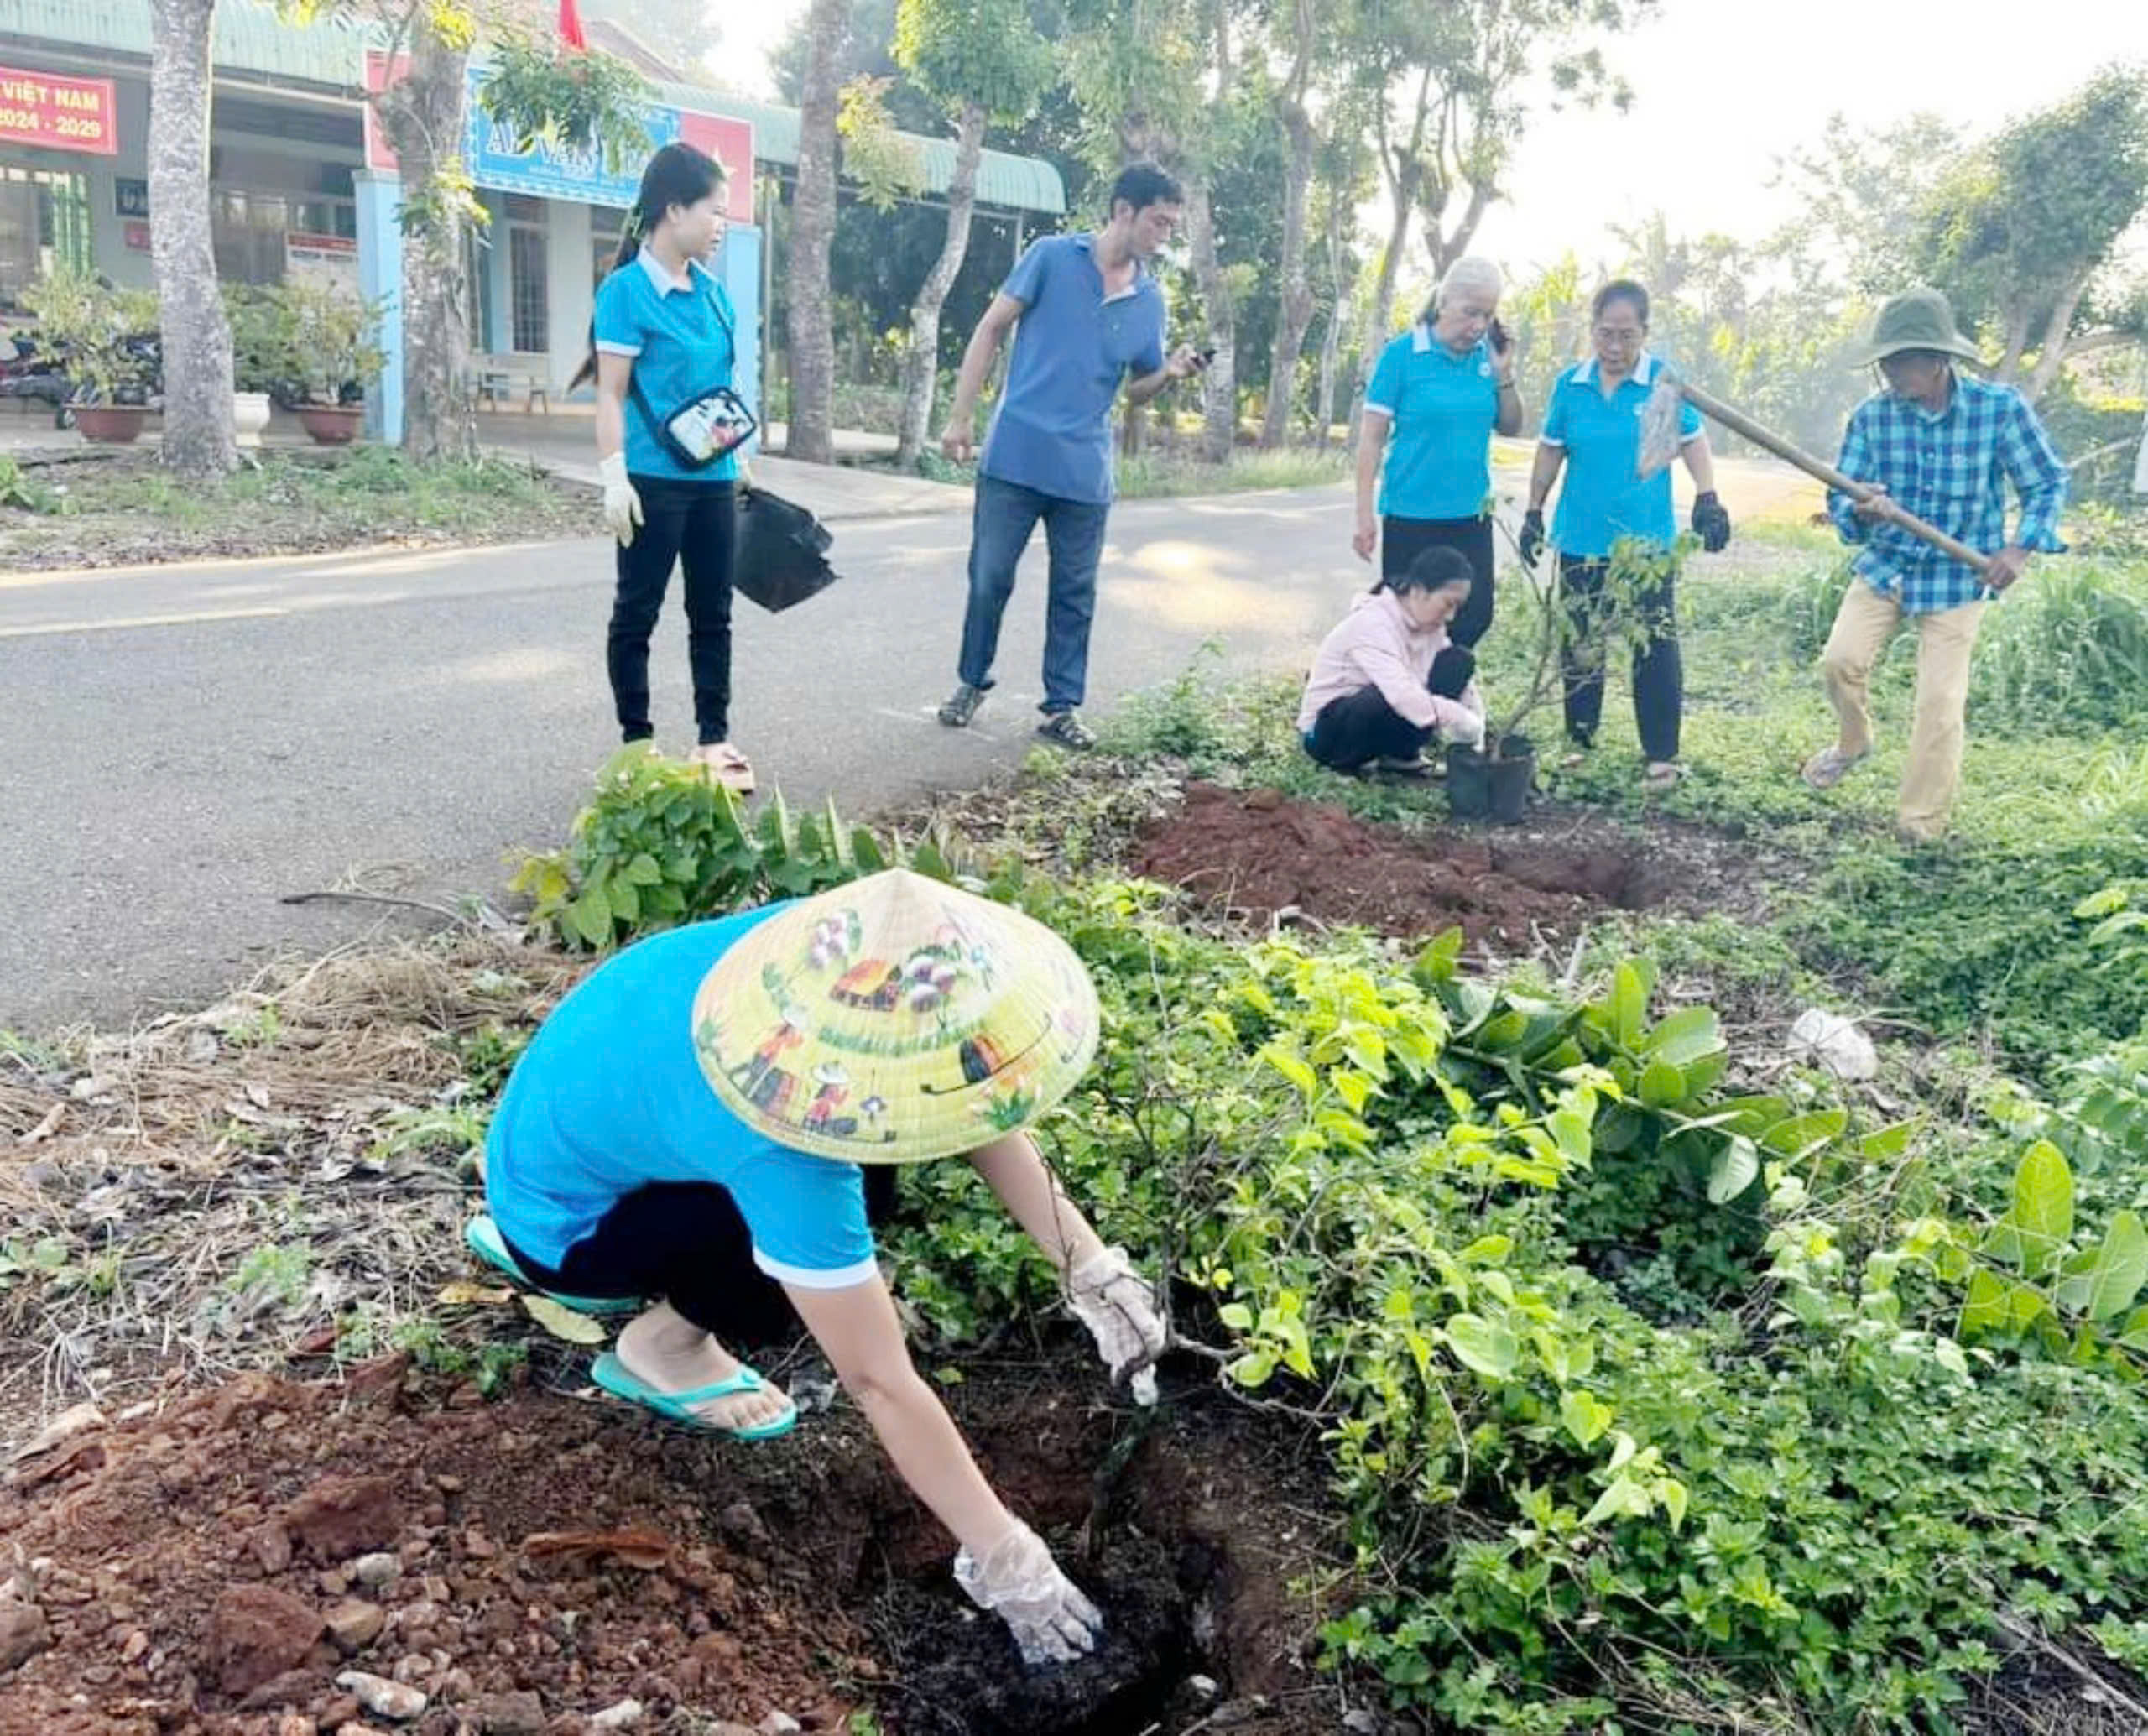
(571, 26)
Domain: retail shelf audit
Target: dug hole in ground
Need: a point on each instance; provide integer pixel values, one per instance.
(271, 1522)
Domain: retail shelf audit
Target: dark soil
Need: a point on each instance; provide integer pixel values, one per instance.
(1257, 855)
(197, 1569)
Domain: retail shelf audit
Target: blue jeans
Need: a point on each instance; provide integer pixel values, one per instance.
(1001, 522)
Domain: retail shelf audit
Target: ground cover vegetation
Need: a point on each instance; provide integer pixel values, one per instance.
(1652, 1377)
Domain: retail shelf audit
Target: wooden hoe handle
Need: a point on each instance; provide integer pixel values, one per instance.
(1740, 422)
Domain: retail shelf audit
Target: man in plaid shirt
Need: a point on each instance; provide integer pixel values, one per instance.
(1941, 445)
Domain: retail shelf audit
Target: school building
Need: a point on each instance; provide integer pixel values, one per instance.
(300, 182)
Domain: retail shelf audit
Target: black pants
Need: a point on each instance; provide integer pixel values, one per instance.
(693, 525)
(1402, 540)
(1658, 669)
(1363, 725)
(685, 1242)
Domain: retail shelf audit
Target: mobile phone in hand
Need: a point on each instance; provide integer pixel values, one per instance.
(1205, 355)
(1501, 343)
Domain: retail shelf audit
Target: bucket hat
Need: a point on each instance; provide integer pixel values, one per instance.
(895, 1019)
(1914, 320)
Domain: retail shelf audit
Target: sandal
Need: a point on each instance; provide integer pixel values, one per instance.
(1825, 769)
(726, 765)
(608, 1372)
(482, 1237)
(1662, 775)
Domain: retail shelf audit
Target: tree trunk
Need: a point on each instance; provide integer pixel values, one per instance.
(423, 116)
(1331, 340)
(921, 363)
(2056, 334)
(812, 231)
(2017, 341)
(1219, 382)
(199, 440)
(1294, 311)
(1379, 312)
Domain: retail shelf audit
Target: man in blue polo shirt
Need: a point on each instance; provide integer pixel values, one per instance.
(1085, 312)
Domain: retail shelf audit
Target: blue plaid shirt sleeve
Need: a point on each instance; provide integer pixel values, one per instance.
(2039, 475)
(1856, 462)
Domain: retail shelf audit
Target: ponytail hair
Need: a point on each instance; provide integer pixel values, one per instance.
(678, 174)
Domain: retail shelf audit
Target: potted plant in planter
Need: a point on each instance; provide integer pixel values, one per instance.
(107, 338)
(1494, 782)
(261, 355)
(333, 357)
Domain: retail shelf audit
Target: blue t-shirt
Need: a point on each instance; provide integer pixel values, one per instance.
(1053, 430)
(609, 1097)
(1441, 409)
(679, 332)
(1603, 498)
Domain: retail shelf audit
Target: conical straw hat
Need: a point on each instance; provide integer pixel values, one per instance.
(895, 1019)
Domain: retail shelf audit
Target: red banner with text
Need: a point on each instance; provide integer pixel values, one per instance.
(58, 114)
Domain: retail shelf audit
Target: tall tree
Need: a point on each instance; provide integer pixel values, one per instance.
(2019, 230)
(812, 229)
(1345, 182)
(984, 63)
(1466, 73)
(199, 440)
(1294, 314)
(578, 99)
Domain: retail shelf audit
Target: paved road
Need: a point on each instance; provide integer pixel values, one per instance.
(184, 746)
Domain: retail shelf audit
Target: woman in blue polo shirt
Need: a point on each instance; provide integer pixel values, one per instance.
(662, 339)
(1608, 513)
(1437, 395)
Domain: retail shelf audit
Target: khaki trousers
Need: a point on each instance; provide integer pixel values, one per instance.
(1862, 627)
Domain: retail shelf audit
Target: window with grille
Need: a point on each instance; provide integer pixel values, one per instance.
(526, 281)
(44, 221)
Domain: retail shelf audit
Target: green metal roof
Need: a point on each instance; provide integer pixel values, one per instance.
(252, 40)
(1013, 183)
(250, 37)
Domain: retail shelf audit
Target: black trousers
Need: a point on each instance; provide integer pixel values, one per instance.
(1363, 725)
(1658, 668)
(693, 525)
(686, 1242)
(1402, 540)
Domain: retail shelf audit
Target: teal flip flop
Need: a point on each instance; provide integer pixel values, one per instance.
(482, 1236)
(608, 1372)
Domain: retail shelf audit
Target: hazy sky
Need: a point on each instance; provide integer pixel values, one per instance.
(1722, 89)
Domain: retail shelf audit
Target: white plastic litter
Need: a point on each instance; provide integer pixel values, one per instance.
(1829, 1040)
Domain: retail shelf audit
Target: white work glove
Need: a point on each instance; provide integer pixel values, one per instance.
(1019, 1582)
(1463, 728)
(1120, 1313)
(621, 505)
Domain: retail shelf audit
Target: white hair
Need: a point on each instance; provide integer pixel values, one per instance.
(1470, 271)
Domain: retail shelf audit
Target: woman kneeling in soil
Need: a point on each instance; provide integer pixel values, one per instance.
(694, 1115)
(1386, 680)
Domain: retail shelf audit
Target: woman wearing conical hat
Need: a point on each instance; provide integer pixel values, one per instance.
(670, 1133)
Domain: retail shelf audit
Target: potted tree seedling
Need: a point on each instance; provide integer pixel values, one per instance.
(333, 357)
(107, 337)
(1494, 782)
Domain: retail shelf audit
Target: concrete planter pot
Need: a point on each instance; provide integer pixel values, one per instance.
(249, 416)
(110, 424)
(332, 425)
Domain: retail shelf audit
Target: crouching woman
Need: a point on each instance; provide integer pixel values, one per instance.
(690, 1123)
(1387, 681)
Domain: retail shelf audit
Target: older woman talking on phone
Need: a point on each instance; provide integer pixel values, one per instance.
(1438, 394)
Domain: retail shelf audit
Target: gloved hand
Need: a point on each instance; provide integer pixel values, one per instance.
(1120, 1313)
(1711, 522)
(1018, 1580)
(1530, 542)
(621, 505)
(1462, 726)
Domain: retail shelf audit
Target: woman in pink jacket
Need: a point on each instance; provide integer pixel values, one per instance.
(1386, 680)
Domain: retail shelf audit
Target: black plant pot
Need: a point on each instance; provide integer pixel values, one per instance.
(1479, 787)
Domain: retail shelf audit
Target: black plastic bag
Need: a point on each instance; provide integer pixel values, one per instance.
(782, 551)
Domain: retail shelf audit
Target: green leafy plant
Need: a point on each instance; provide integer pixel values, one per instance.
(25, 492)
(330, 336)
(662, 845)
(94, 324)
(575, 100)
